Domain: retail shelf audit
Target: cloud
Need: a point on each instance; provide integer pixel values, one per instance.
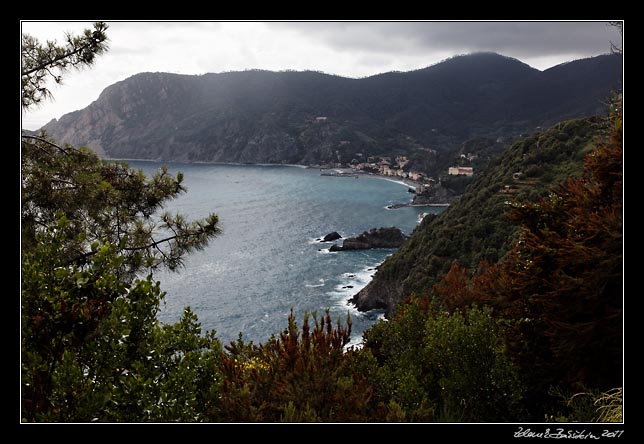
(516, 39)
(349, 49)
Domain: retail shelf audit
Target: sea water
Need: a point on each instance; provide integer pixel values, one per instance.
(268, 261)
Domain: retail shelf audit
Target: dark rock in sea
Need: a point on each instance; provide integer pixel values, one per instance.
(375, 238)
(331, 237)
(348, 286)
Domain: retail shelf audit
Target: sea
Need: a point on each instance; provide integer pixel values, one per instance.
(269, 260)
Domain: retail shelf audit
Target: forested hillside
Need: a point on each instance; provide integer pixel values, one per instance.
(476, 227)
(537, 336)
(316, 118)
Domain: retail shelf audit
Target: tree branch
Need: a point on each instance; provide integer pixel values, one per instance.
(72, 186)
(56, 59)
(153, 244)
(25, 136)
(162, 253)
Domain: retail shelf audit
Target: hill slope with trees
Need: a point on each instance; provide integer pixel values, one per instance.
(476, 228)
(315, 118)
(507, 341)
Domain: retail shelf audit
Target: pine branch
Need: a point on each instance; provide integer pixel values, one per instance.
(25, 136)
(153, 244)
(92, 44)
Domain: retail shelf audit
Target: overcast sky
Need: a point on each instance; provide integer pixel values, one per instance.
(349, 49)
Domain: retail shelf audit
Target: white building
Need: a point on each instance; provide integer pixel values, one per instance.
(455, 171)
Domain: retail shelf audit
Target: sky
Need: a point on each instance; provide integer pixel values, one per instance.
(348, 49)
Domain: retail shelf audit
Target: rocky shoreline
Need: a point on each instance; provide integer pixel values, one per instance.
(412, 204)
(375, 238)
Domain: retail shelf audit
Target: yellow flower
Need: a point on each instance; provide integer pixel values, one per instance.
(251, 363)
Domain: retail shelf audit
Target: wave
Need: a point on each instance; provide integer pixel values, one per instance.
(315, 285)
(326, 251)
(357, 341)
(321, 241)
(351, 284)
(400, 182)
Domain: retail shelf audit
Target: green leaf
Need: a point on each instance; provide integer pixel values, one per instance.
(81, 280)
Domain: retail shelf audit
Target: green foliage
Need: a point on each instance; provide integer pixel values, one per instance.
(40, 61)
(476, 379)
(559, 290)
(476, 228)
(105, 202)
(93, 350)
(295, 377)
(389, 360)
(437, 366)
(457, 184)
(567, 266)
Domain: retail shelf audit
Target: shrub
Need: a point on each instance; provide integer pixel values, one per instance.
(439, 366)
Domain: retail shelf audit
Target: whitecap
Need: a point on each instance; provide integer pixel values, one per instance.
(315, 285)
(320, 240)
(350, 285)
(356, 342)
(326, 251)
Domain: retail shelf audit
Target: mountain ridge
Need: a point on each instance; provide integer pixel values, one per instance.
(308, 117)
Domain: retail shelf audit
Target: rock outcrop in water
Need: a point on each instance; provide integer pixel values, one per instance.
(331, 237)
(374, 238)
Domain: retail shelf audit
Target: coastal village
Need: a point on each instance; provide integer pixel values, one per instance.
(395, 168)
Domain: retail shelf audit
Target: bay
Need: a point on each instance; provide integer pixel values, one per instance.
(267, 261)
